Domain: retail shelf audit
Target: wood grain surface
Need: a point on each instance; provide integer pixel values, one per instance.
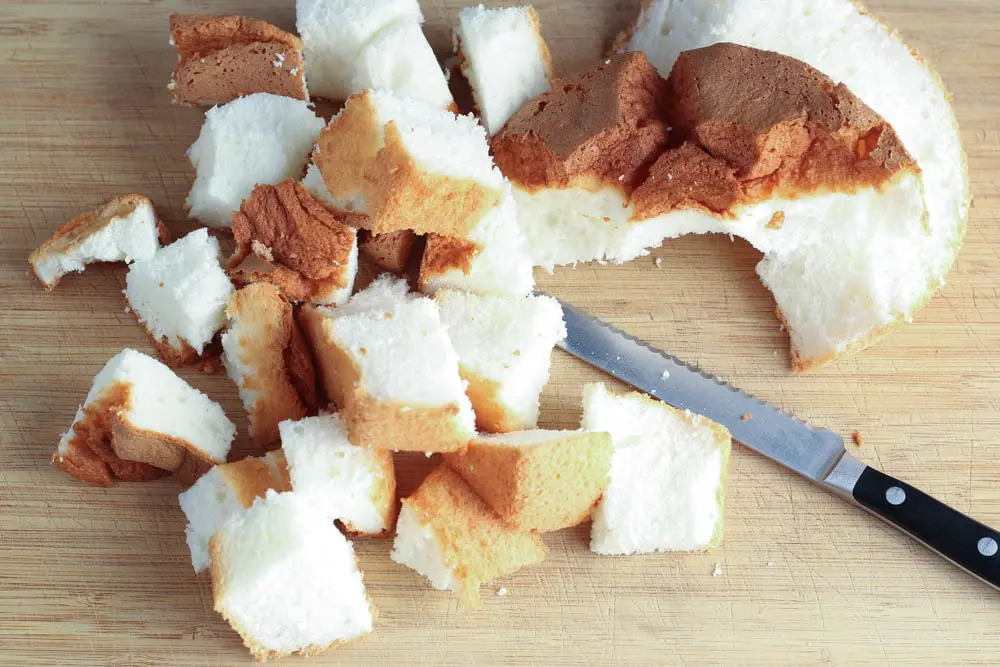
(94, 576)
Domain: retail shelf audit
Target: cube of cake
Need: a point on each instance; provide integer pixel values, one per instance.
(387, 362)
(399, 59)
(180, 296)
(284, 236)
(334, 33)
(504, 58)
(287, 580)
(492, 259)
(504, 347)
(221, 58)
(255, 355)
(390, 251)
(451, 536)
(260, 138)
(124, 229)
(354, 485)
(140, 421)
(537, 480)
(225, 491)
(668, 475)
(416, 166)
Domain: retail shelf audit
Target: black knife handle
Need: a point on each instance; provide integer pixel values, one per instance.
(964, 541)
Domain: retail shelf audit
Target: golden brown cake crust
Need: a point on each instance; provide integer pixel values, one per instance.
(297, 244)
(446, 253)
(76, 231)
(221, 58)
(249, 478)
(402, 196)
(356, 155)
(604, 126)
(91, 457)
(474, 542)
(544, 487)
(389, 251)
(491, 415)
(727, 147)
(265, 315)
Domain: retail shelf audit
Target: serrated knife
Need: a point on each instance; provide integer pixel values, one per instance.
(815, 453)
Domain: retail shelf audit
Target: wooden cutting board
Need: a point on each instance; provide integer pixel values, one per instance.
(94, 576)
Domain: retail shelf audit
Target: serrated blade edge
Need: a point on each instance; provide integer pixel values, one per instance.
(777, 434)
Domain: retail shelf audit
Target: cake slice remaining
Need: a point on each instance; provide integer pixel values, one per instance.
(387, 362)
(538, 480)
(668, 475)
(448, 534)
(760, 145)
(180, 296)
(416, 166)
(493, 258)
(287, 580)
(504, 347)
(256, 351)
(141, 421)
(260, 138)
(399, 58)
(284, 236)
(354, 485)
(124, 229)
(504, 58)
(224, 492)
(221, 58)
(335, 31)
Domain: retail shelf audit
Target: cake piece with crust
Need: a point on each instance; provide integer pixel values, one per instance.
(668, 475)
(450, 535)
(504, 346)
(504, 58)
(286, 579)
(352, 484)
(361, 348)
(180, 296)
(537, 480)
(286, 237)
(415, 166)
(140, 421)
(258, 354)
(124, 229)
(260, 138)
(221, 58)
(226, 490)
(492, 259)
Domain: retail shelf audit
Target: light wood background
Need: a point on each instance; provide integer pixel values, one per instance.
(94, 576)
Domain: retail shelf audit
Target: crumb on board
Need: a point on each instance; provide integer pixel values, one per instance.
(856, 436)
(502, 592)
(770, 564)
(717, 572)
(658, 261)
(746, 417)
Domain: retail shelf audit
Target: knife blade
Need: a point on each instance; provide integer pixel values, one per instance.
(815, 453)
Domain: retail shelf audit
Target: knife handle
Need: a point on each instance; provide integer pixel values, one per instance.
(964, 541)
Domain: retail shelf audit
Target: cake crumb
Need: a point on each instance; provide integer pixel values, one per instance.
(769, 563)
(746, 417)
(665, 375)
(502, 592)
(658, 261)
(856, 436)
(717, 572)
